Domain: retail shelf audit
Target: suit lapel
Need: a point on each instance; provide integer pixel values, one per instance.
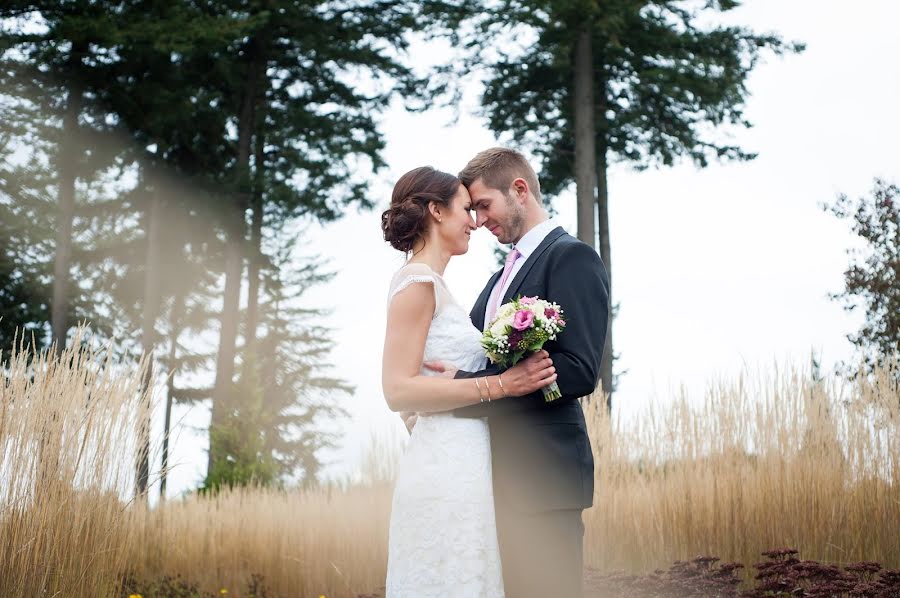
(477, 314)
(551, 238)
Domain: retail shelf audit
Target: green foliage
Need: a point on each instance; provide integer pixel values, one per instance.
(163, 89)
(239, 444)
(27, 245)
(25, 271)
(320, 131)
(273, 431)
(42, 59)
(872, 280)
(178, 587)
(665, 86)
(292, 365)
(664, 83)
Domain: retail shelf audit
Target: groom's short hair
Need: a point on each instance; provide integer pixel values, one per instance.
(498, 167)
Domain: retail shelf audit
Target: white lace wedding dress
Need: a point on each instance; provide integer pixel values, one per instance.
(443, 538)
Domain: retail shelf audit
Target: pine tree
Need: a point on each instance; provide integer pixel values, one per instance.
(49, 50)
(273, 432)
(25, 248)
(303, 134)
(588, 83)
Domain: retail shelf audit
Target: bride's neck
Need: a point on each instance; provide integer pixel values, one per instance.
(431, 255)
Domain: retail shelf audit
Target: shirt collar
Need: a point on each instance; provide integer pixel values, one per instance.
(530, 240)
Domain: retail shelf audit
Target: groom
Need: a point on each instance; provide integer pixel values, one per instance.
(543, 468)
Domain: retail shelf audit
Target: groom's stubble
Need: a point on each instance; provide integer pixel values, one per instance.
(515, 224)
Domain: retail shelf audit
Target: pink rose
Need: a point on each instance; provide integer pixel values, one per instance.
(527, 300)
(523, 319)
(550, 313)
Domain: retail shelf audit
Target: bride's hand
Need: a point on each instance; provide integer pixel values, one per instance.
(446, 370)
(532, 373)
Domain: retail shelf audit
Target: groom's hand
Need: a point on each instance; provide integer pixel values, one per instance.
(445, 369)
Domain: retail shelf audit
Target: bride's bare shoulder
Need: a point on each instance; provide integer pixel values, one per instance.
(416, 268)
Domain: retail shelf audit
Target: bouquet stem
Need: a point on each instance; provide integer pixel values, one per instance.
(552, 392)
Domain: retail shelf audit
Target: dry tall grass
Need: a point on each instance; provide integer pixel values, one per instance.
(66, 425)
(760, 464)
(322, 542)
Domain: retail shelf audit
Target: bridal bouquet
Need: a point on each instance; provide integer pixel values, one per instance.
(523, 325)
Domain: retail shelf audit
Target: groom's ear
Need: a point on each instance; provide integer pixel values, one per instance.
(520, 188)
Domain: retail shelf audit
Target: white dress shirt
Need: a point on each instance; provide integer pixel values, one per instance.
(526, 246)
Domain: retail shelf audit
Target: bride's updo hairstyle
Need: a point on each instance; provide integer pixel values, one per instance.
(407, 218)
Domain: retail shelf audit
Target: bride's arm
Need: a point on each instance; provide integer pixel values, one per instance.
(409, 318)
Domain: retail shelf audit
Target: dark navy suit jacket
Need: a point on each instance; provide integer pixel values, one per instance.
(541, 454)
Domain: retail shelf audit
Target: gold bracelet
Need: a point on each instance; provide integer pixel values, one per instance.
(487, 383)
(500, 381)
(480, 394)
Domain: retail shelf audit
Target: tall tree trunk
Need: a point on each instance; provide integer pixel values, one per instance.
(234, 248)
(174, 333)
(148, 326)
(67, 161)
(585, 132)
(590, 176)
(255, 264)
(606, 365)
(234, 269)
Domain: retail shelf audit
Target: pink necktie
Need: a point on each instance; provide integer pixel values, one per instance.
(498, 290)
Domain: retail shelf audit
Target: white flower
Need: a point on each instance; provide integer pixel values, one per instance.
(506, 310)
(536, 308)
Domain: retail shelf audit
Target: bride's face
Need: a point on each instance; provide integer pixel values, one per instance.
(457, 223)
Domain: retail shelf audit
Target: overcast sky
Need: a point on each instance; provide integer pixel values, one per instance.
(716, 270)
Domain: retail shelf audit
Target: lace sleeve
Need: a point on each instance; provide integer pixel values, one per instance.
(412, 274)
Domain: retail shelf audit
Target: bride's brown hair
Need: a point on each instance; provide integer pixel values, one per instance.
(407, 218)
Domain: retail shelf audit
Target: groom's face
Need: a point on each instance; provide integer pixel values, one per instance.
(497, 211)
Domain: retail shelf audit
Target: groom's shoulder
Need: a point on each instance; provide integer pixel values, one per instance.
(571, 247)
(566, 239)
(574, 258)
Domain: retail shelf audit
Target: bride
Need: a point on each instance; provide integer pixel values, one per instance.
(443, 538)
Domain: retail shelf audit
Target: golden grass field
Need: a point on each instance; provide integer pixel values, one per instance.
(762, 462)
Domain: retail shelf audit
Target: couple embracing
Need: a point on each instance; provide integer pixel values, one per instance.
(489, 495)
